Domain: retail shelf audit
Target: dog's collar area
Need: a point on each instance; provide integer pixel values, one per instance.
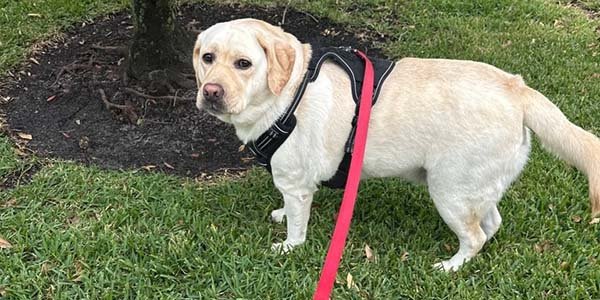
(265, 146)
(267, 143)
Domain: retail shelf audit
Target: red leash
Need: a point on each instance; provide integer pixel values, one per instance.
(342, 226)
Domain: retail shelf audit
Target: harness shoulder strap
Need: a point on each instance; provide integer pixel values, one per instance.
(354, 64)
(265, 146)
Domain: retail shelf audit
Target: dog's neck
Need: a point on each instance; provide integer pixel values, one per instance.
(258, 118)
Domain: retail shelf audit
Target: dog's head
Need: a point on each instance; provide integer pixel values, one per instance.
(239, 63)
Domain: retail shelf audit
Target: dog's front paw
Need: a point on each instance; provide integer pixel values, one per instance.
(446, 266)
(277, 215)
(284, 247)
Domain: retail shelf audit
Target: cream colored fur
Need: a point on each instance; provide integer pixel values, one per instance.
(460, 127)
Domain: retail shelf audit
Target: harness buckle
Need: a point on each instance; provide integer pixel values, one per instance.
(347, 48)
(273, 133)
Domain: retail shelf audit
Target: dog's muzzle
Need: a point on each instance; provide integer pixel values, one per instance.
(212, 97)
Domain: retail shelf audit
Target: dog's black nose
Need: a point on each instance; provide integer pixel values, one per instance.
(213, 92)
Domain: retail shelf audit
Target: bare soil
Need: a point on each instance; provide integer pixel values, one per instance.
(57, 97)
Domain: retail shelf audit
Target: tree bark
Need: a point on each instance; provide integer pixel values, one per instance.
(161, 49)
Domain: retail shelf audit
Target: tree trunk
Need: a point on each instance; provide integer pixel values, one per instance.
(161, 49)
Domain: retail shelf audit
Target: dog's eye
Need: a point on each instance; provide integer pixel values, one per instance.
(243, 64)
(208, 58)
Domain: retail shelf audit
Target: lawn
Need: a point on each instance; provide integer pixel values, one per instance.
(84, 233)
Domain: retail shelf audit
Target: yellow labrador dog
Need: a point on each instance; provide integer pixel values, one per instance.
(460, 127)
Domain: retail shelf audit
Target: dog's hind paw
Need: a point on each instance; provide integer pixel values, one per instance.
(277, 215)
(446, 266)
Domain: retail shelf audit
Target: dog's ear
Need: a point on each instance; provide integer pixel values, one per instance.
(280, 61)
(196, 60)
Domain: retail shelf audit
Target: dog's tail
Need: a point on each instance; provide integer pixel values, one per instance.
(571, 143)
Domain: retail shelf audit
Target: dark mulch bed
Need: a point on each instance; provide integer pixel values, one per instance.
(58, 101)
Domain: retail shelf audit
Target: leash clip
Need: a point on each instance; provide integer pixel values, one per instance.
(349, 147)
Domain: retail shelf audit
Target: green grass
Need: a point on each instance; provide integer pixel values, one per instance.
(85, 233)
(24, 22)
(8, 157)
(591, 5)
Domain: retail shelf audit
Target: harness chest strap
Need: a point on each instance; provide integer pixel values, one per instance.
(347, 58)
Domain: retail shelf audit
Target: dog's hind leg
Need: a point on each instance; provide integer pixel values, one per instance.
(297, 212)
(463, 218)
(467, 197)
(491, 222)
(278, 214)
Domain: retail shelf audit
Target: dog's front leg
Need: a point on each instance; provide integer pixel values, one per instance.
(297, 211)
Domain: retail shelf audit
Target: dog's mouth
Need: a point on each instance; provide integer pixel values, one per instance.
(213, 108)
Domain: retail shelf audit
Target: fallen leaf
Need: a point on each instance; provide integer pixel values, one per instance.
(241, 148)
(169, 166)
(130, 113)
(448, 247)
(74, 220)
(596, 75)
(78, 276)
(594, 221)
(84, 143)
(4, 244)
(507, 44)
(350, 282)
(149, 167)
(404, 256)
(558, 24)
(20, 152)
(369, 253)
(576, 218)
(564, 265)
(46, 266)
(543, 246)
(10, 203)
(25, 136)
(3, 292)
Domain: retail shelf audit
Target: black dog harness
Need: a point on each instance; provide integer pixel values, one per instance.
(267, 144)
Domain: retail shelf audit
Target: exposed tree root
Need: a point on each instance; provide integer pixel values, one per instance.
(70, 68)
(173, 98)
(118, 50)
(127, 110)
